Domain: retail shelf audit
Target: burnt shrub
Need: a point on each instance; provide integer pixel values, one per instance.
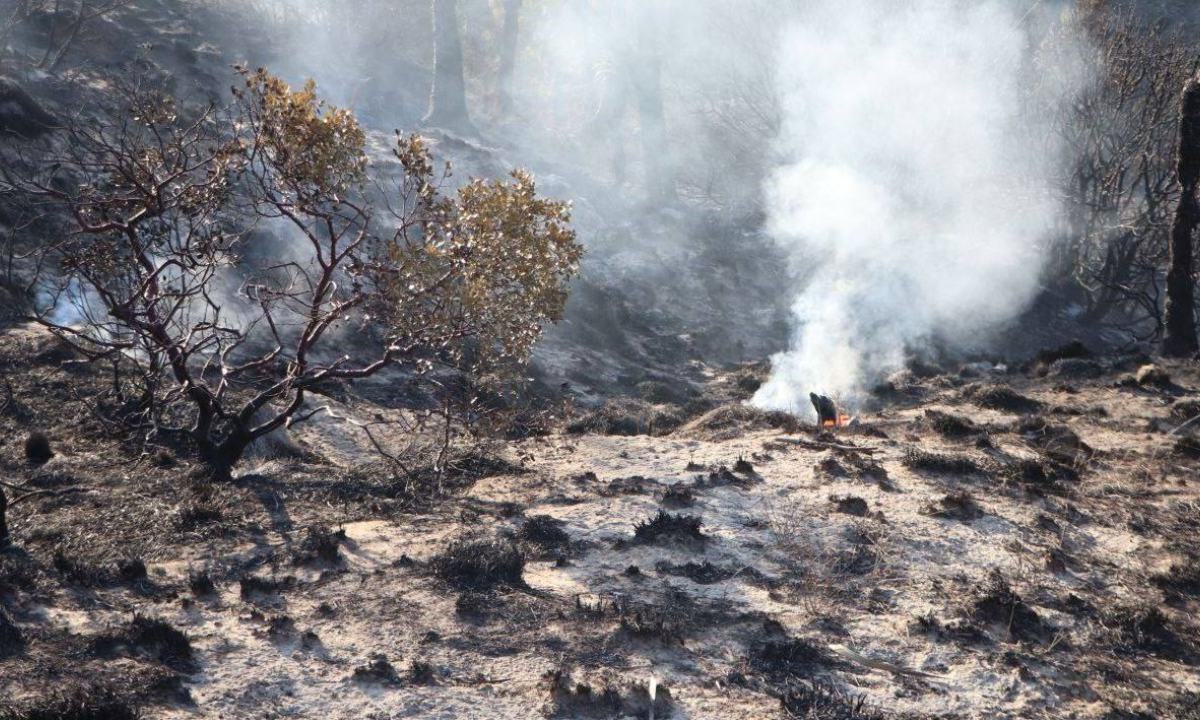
(851, 505)
(37, 448)
(667, 621)
(1074, 350)
(996, 603)
(202, 585)
(628, 417)
(955, 506)
(822, 701)
(93, 703)
(252, 586)
(481, 563)
(196, 516)
(320, 545)
(148, 638)
(132, 570)
(704, 573)
(1144, 629)
(1188, 447)
(81, 572)
(572, 699)
(678, 495)
(544, 531)
(669, 527)
(12, 640)
(948, 425)
(18, 573)
(940, 463)
(378, 670)
(1180, 581)
(783, 659)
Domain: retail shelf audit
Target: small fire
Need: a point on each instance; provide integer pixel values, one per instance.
(842, 421)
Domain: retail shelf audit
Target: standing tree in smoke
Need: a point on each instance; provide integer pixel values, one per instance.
(1180, 337)
(448, 94)
(157, 238)
(510, 31)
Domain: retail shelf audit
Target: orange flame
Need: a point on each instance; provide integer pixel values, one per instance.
(842, 421)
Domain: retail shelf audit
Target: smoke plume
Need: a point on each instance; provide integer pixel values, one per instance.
(912, 189)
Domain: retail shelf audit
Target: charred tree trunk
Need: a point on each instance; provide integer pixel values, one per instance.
(509, 35)
(4, 537)
(448, 95)
(1180, 336)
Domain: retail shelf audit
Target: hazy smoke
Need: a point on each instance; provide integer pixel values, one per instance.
(912, 188)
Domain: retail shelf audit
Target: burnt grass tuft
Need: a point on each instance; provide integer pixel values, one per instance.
(37, 448)
(201, 585)
(851, 505)
(147, 638)
(940, 463)
(667, 527)
(573, 699)
(955, 506)
(822, 701)
(376, 670)
(781, 660)
(1180, 581)
(678, 495)
(81, 572)
(950, 426)
(997, 604)
(319, 546)
(252, 587)
(544, 531)
(93, 703)
(12, 640)
(1002, 397)
(481, 563)
(1144, 629)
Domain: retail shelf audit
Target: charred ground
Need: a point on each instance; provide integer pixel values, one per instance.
(1019, 544)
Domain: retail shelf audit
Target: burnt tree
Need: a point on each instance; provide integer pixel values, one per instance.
(448, 94)
(509, 35)
(1180, 337)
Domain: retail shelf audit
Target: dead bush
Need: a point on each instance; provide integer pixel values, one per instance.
(574, 699)
(481, 563)
(1001, 397)
(939, 463)
(667, 527)
(955, 506)
(320, 545)
(12, 640)
(730, 421)
(822, 701)
(544, 531)
(950, 426)
(92, 703)
(37, 448)
(628, 417)
(147, 638)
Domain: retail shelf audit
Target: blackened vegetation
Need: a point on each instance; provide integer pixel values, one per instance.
(963, 631)
(18, 573)
(1074, 350)
(483, 564)
(1039, 476)
(201, 585)
(1185, 410)
(1188, 447)
(1001, 397)
(628, 417)
(940, 463)
(950, 426)
(132, 570)
(12, 640)
(704, 573)
(851, 505)
(955, 506)
(1180, 581)
(667, 527)
(573, 699)
(669, 620)
(1179, 338)
(544, 531)
(678, 495)
(37, 448)
(94, 703)
(823, 701)
(780, 660)
(376, 670)
(253, 587)
(319, 546)
(998, 605)
(148, 638)
(1144, 629)
(1059, 443)
(81, 572)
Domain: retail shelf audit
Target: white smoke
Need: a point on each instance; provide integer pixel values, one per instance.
(913, 184)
